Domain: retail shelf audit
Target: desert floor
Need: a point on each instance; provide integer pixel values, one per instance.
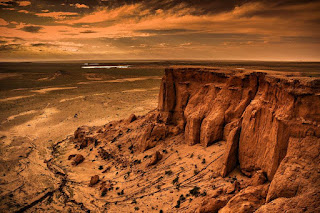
(39, 109)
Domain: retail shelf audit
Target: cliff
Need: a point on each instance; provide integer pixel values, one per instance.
(257, 114)
(220, 140)
(271, 123)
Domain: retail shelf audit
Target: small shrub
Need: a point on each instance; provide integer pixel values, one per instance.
(175, 181)
(178, 204)
(203, 161)
(168, 172)
(195, 191)
(182, 198)
(203, 194)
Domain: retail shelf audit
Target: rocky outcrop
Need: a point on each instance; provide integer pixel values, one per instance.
(247, 200)
(257, 113)
(270, 124)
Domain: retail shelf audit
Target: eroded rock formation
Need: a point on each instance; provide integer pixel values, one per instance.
(271, 123)
(271, 110)
(250, 140)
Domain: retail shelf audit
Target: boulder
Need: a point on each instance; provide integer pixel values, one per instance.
(258, 178)
(247, 200)
(156, 157)
(94, 180)
(77, 159)
(132, 118)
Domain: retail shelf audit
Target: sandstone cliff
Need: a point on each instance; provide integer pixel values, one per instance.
(271, 123)
(220, 140)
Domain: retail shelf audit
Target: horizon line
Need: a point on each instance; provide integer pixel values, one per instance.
(149, 60)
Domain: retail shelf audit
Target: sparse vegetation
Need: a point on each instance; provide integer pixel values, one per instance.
(178, 204)
(168, 172)
(135, 162)
(195, 191)
(176, 180)
(203, 161)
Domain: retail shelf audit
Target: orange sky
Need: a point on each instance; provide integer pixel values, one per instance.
(168, 29)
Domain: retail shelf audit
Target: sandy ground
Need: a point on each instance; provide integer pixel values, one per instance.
(41, 117)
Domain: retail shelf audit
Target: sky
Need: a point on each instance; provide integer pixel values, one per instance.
(268, 30)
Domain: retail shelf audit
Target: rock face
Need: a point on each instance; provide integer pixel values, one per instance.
(269, 123)
(257, 113)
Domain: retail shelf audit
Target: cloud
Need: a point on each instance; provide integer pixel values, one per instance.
(3, 22)
(57, 15)
(24, 3)
(152, 28)
(81, 5)
(103, 15)
(32, 29)
(23, 11)
(39, 44)
(88, 31)
(9, 47)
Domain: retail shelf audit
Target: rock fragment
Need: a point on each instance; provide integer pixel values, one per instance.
(132, 118)
(77, 159)
(156, 157)
(94, 180)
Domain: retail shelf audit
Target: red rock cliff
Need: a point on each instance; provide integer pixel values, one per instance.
(269, 120)
(258, 114)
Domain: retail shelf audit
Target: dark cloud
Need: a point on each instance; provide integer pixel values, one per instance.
(39, 45)
(165, 32)
(88, 31)
(197, 38)
(166, 25)
(9, 47)
(32, 29)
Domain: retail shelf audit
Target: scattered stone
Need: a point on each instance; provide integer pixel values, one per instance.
(71, 156)
(104, 191)
(232, 187)
(77, 159)
(213, 205)
(104, 154)
(83, 144)
(258, 178)
(106, 170)
(155, 158)
(132, 118)
(168, 172)
(94, 180)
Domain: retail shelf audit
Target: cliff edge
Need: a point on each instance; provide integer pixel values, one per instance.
(220, 140)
